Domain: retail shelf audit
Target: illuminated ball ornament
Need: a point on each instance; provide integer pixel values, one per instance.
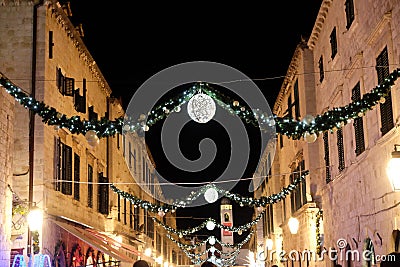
(310, 137)
(92, 138)
(211, 195)
(201, 108)
(211, 240)
(210, 225)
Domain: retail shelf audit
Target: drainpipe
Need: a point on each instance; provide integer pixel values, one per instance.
(32, 115)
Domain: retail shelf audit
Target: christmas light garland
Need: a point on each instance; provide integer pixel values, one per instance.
(243, 201)
(213, 223)
(318, 233)
(212, 240)
(330, 120)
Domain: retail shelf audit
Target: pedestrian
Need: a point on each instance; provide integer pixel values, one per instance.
(140, 263)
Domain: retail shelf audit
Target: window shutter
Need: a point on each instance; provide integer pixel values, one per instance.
(358, 123)
(90, 186)
(77, 178)
(349, 13)
(321, 69)
(296, 100)
(340, 146)
(57, 164)
(60, 80)
(326, 158)
(386, 110)
(103, 194)
(66, 187)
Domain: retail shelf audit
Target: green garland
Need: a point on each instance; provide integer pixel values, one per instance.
(330, 120)
(192, 230)
(318, 233)
(243, 201)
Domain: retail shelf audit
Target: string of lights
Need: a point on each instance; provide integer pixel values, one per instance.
(210, 224)
(309, 128)
(243, 201)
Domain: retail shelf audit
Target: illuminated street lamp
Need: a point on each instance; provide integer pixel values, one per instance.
(393, 169)
(293, 225)
(35, 219)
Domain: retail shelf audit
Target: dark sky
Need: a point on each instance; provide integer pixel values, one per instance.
(130, 42)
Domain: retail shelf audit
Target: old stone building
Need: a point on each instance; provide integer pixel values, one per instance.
(346, 208)
(59, 170)
(6, 173)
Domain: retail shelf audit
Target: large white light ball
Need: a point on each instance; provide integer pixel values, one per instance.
(201, 108)
(211, 195)
(92, 138)
(211, 240)
(210, 225)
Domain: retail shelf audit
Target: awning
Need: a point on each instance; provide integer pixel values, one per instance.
(92, 237)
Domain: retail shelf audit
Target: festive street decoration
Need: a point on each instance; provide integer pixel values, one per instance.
(201, 108)
(184, 232)
(243, 201)
(318, 219)
(308, 128)
(196, 258)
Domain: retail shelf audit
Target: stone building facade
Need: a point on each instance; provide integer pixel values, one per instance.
(6, 173)
(347, 203)
(60, 172)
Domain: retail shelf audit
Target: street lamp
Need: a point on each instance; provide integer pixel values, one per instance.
(293, 225)
(393, 169)
(35, 219)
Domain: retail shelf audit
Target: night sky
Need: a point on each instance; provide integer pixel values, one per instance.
(130, 42)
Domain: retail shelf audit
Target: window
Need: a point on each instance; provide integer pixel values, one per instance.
(289, 107)
(358, 123)
(119, 208)
(174, 257)
(298, 196)
(90, 186)
(296, 102)
(226, 217)
(57, 164)
(158, 243)
(92, 115)
(321, 69)
(80, 101)
(382, 69)
(339, 135)
(124, 211)
(130, 156)
(326, 158)
(77, 178)
(102, 195)
(51, 44)
(268, 221)
(130, 215)
(349, 13)
(150, 225)
(66, 169)
(333, 41)
(136, 217)
(280, 140)
(65, 84)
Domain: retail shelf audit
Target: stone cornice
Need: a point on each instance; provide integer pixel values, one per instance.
(62, 19)
(319, 23)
